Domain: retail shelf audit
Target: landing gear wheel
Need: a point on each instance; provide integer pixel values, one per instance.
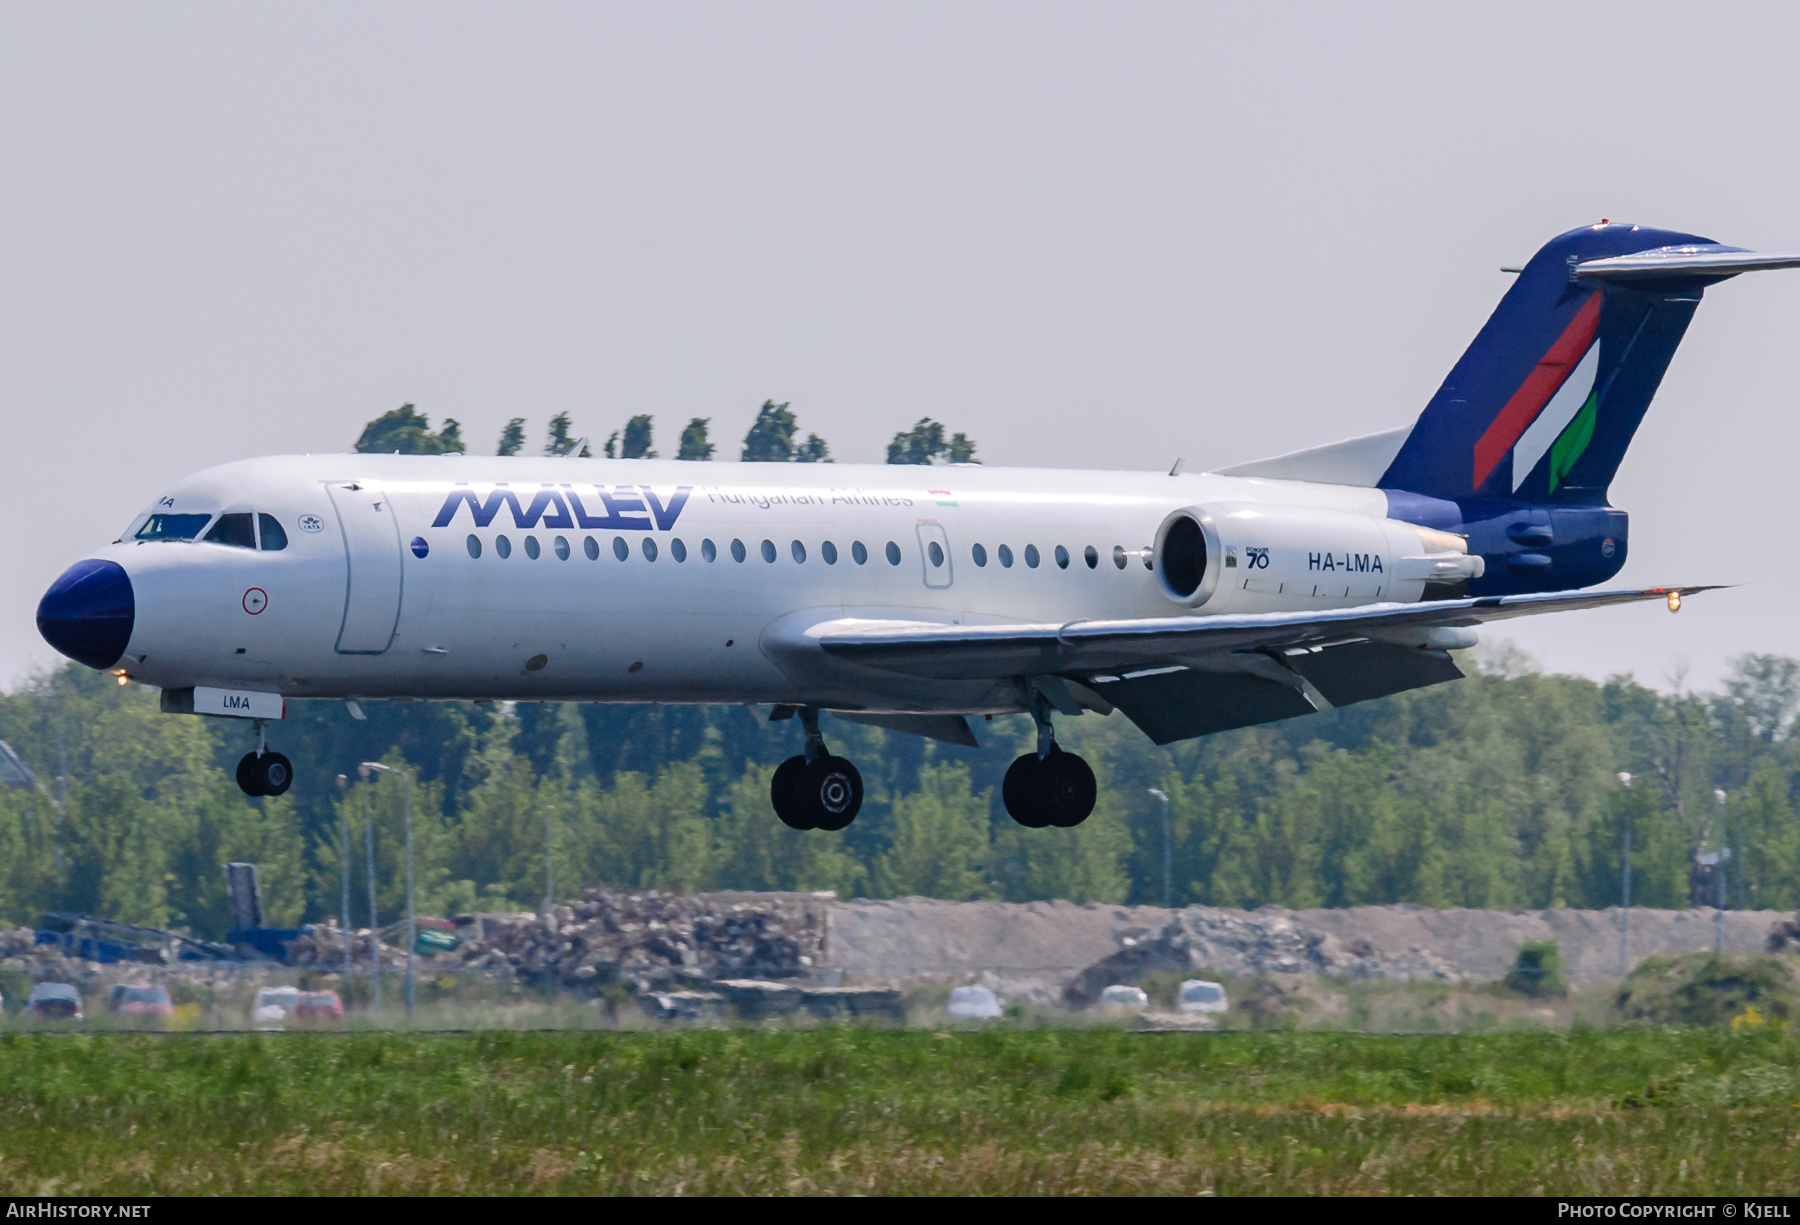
(246, 774)
(830, 793)
(1058, 790)
(1019, 792)
(784, 794)
(1066, 785)
(274, 774)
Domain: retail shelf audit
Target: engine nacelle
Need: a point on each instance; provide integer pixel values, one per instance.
(1257, 557)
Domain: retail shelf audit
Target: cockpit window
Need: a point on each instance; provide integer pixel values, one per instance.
(172, 527)
(273, 537)
(234, 530)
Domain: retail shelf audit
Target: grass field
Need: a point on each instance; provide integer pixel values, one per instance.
(852, 1110)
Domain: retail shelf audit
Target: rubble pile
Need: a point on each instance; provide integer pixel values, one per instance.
(1226, 942)
(649, 939)
(1784, 934)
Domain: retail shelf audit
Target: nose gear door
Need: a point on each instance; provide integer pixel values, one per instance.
(934, 550)
(372, 555)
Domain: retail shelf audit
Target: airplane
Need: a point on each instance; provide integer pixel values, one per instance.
(914, 598)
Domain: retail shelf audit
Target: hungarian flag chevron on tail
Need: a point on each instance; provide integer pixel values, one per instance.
(1542, 406)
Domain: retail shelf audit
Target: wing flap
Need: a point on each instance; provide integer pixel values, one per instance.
(1170, 704)
(1359, 671)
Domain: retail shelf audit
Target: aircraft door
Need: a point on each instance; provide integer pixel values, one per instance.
(372, 553)
(934, 550)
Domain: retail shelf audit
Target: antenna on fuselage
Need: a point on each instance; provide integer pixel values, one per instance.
(576, 448)
(1175, 468)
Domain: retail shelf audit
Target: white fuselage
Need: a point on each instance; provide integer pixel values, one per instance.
(375, 596)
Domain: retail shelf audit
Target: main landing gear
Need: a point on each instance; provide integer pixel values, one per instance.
(816, 790)
(262, 772)
(1048, 787)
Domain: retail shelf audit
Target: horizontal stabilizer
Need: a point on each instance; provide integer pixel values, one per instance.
(1688, 259)
(1354, 461)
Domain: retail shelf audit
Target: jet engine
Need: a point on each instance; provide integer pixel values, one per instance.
(1256, 557)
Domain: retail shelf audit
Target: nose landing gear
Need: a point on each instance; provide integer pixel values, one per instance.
(816, 790)
(261, 771)
(1048, 787)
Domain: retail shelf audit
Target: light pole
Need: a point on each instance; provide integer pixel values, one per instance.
(1168, 868)
(411, 917)
(1625, 889)
(374, 918)
(549, 867)
(344, 854)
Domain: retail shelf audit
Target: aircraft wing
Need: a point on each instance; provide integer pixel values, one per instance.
(1178, 677)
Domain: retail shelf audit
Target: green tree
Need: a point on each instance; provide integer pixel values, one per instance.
(512, 438)
(408, 432)
(561, 438)
(694, 442)
(771, 439)
(925, 443)
(940, 839)
(635, 444)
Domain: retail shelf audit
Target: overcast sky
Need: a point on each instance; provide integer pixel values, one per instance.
(1097, 235)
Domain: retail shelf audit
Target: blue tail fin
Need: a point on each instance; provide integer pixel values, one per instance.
(1544, 402)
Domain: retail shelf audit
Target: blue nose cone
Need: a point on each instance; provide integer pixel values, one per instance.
(88, 613)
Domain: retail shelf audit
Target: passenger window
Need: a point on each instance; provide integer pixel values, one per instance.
(234, 530)
(531, 547)
(1091, 556)
(829, 552)
(980, 555)
(649, 549)
(737, 550)
(1062, 558)
(591, 547)
(858, 554)
(1005, 553)
(678, 549)
(503, 546)
(474, 545)
(1119, 556)
(274, 539)
(708, 551)
(562, 548)
(1031, 556)
(172, 527)
(799, 551)
(768, 551)
(936, 553)
(621, 550)
(893, 554)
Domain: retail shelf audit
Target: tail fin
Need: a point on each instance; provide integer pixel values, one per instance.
(1544, 402)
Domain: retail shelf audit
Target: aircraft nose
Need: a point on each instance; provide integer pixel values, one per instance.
(88, 613)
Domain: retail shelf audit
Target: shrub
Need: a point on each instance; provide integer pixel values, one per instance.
(1709, 989)
(1538, 970)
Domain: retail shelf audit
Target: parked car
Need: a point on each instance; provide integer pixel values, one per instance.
(55, 1001)
(1120, 996)
(1198, 995)
(974, 1003)
(146, 1000)
(318, 1006)
(274, 1006)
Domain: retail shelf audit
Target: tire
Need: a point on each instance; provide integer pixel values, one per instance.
(784, 793)
(831, 793)
(1020, 791)
(246, 774)
(273, 773)
(1067, 789)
